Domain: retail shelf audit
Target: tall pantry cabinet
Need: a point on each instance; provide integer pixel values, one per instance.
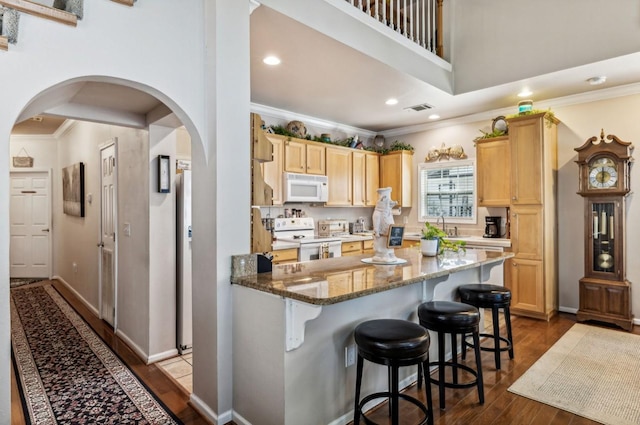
(532, 274)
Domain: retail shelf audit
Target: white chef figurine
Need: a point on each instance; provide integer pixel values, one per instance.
(381, 221)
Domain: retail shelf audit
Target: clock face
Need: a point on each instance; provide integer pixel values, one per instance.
(602, 173)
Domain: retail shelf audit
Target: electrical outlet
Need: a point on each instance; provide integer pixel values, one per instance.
(349, 355)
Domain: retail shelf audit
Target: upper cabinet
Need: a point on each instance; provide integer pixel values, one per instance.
(304, 158)
(396, 172)
(494, 172)
(272, 171)
(340, 175)
(366, 178)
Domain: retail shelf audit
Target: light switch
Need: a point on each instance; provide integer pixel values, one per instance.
(127, 229)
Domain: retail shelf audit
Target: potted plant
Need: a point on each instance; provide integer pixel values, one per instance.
(434, 241)
(430, 241)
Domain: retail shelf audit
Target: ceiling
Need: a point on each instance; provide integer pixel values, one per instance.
(322, 78)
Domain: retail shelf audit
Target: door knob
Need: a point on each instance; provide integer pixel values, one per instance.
(100, 245)
(45, 230)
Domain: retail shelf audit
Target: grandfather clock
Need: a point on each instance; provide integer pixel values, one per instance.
(604, 180)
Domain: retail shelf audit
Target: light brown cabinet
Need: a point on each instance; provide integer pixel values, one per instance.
(366, 178)
(494, 171)
(352, 248)
(284, 256)
(340, 176)
(272, 171)
(532, 273)
(305, 158)
(396, 172)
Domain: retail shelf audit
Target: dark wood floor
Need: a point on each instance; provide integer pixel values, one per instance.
(532, 339)
(170, 393)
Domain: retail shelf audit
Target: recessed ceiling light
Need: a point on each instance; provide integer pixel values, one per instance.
(434, 116)
(525, 93)
(594, 81)
(271, 60)
(391, 101)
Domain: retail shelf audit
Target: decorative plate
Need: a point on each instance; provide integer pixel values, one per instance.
(499, 125)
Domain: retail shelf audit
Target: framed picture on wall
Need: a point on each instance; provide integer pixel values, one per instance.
(164, 174)
(73, 189)
(395, 236)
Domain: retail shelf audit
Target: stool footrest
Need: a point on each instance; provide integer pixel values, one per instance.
(492, 349)
(387, 394)
(451, 384)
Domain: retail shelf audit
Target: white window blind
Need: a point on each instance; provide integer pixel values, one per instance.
(448, 189)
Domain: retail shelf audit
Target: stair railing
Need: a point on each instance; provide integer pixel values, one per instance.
(418, 20)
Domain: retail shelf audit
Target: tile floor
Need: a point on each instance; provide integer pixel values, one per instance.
(180, 369)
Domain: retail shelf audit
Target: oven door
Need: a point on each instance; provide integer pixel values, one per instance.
(319, 250)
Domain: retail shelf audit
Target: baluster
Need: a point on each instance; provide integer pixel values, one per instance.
(411, 22)
(377, 11)
(384, 12)
(424, 23)
(428, 12)
(360, 5)
(369, 7)
(390, 12)
(398, 26)
(404, 18)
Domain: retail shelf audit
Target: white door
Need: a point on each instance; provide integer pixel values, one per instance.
(30, 218)
(107, 244)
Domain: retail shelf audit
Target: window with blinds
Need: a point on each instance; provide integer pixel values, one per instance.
(448, 189)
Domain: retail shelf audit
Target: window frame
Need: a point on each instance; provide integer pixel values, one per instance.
(425, 167)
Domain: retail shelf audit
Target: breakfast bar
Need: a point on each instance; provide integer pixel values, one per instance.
(293, 328)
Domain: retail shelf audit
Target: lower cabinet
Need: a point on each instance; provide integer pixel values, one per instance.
(283, 256)
(525, 280)
(351, 248)
(367, 247)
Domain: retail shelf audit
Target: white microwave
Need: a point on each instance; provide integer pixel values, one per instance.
(305, 187)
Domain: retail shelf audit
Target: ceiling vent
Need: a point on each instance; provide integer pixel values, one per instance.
(420, 107)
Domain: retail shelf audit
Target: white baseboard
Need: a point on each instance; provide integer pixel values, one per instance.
(162, 356)
(93, 309)
(568, 310)
(139, 351)
(204, 409)
(238, 419)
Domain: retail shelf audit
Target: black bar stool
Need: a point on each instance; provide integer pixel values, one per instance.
(449, 317)
(393, 343)
(495, 297)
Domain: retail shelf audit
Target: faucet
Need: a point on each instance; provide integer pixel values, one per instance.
(438, 221)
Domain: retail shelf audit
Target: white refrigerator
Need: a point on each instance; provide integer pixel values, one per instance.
(183, 278)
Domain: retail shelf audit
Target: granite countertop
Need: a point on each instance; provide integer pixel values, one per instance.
(470, 240)
(333, 280)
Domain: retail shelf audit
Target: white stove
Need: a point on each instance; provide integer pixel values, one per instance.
(303, 231)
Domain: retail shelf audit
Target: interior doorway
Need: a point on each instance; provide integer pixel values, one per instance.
(108, 225)
(30, 224)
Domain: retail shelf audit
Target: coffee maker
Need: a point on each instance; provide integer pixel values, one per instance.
(492, 227)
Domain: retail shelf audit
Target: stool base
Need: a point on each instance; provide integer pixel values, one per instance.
(386, 394)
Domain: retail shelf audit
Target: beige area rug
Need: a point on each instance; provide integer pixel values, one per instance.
(590, 371)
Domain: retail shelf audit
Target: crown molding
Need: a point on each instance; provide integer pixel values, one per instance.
(65, 128)
(309, 120)
(575, 99)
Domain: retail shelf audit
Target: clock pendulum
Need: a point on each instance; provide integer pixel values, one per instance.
(604, 171)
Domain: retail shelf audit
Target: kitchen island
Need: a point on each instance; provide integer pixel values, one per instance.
(293, 329)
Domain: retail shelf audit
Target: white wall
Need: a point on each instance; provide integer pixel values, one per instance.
(107, 45)
(496, 41)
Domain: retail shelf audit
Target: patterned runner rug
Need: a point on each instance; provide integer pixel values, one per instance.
(14, 282)
(66, 372)
(592, 372)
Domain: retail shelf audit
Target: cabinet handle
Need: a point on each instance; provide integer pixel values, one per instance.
(515, 264)
(514, 198)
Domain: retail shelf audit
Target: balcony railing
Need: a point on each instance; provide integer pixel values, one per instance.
(418, 20)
